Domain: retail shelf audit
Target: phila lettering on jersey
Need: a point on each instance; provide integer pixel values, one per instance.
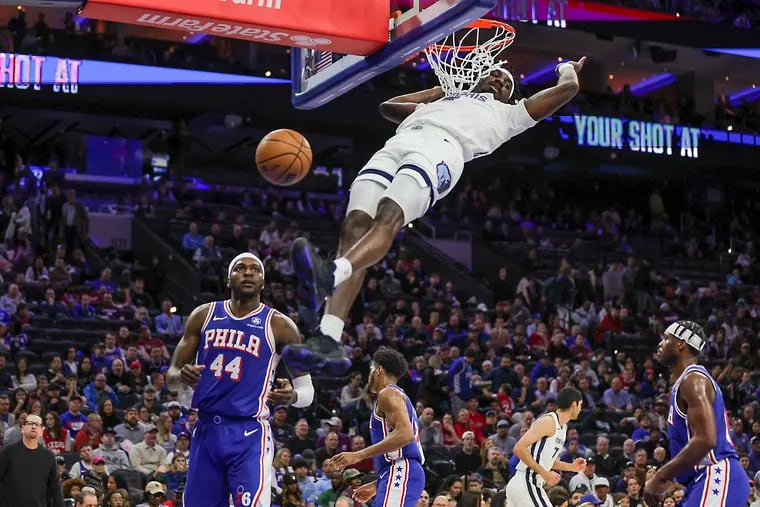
(478, 121)
(240, 358)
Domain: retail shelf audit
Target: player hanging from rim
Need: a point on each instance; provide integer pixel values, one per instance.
(417, 167)
(229, 354)
(704, 458)
(395, 436)
(539, 449)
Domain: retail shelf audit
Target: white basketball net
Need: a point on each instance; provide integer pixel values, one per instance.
(459, 70)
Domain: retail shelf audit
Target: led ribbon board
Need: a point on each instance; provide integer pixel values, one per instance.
(65, 75)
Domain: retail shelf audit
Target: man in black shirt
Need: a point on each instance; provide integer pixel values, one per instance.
(28, 472)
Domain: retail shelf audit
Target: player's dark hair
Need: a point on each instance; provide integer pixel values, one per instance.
(567, 396)
(392, 362)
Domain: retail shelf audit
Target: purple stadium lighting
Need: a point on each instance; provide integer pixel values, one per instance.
(540, 76)
(746, 52)
(653, 83)
(748, 94)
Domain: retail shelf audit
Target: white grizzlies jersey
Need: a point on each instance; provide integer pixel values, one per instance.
(546, 450)
(477, 120)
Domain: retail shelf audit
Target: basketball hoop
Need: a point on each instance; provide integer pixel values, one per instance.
(461, 61)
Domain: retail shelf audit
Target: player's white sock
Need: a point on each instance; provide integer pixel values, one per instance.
(332, 326)
(343, 270)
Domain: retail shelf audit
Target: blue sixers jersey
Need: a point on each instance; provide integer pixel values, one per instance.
(240, 359)
(378, 430)
(680, 434)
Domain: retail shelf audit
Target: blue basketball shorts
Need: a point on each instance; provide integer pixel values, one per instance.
(230, 457)
(400, 484)
(722, 484)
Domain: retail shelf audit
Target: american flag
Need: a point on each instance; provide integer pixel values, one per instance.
(322, 60)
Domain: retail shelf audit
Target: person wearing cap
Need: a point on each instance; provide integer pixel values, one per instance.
(502, 439)
(538, 451)
(601, 487)
(97, 476)
(588, 500)
(155, 493)
(467, 456)
(115, 457)
(147, 455)
(73, 419)
(335, 424)
(352, 480)
(281, 428)
(228, 354)
(698, 428)
(130, 430)
(181, 447)
(585, 477)
(28, 470)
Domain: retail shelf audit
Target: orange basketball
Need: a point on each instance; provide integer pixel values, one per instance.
(283, 157)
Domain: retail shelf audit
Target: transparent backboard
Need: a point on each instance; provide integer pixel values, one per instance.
(321, 76)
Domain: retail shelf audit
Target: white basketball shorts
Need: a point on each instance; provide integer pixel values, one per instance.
(522, 491)
(415, 169)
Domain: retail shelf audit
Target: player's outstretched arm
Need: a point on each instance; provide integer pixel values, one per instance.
(698, 393)
(578, 465)
(543, 427)
(547, 102)
(301, 393)
(181, 370)
(392, 404)
(398, 108)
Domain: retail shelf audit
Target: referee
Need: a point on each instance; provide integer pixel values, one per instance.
(28, 472)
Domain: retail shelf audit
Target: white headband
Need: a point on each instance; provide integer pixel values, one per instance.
(511, 79)
(687, 335)
(240, 257)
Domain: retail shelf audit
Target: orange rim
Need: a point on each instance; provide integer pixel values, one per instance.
(486, 24)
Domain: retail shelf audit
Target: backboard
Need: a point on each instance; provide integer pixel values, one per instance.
(320, 76)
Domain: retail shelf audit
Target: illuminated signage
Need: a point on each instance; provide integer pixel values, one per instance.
(637, 136)
(65, 75)
(31, 71)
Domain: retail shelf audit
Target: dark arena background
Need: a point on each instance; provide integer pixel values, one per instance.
(127, 141)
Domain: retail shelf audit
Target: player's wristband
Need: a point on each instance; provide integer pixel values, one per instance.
(561, 68)
(304, 391)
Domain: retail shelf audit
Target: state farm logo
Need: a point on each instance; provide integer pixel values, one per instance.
(233, 30)
(267, 4)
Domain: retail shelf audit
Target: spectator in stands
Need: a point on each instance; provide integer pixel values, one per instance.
(84, 464)
(330, 447)
(75, 222)
(84, 309)
(166, 322)
(139, 297)
(616, 398)
(98, 391)
(59, 274)
(90, 433)
(208, 257)
(467, 456)
(459, 380)
(430, 429)
(107, 309)
(56, 438)
(130, 430)
(22, 377)
(115, 457)
(146, 456)
(585, 478)
(11, 299)
(174, 475)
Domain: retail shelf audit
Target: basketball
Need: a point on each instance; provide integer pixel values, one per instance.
(283, 157)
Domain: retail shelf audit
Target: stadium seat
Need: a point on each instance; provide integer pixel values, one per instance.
(70, 458)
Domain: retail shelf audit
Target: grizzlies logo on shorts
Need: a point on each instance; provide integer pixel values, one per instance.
(444, 176)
